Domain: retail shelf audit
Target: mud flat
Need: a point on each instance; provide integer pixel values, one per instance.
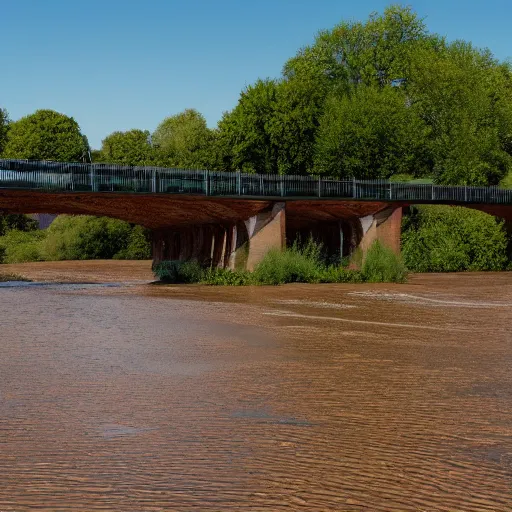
(319, 398)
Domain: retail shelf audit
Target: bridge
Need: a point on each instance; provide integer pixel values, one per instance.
(231, 219)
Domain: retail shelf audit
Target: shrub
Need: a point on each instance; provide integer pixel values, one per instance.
(138, 246)
(21, 246)
(382, 265)
(82, 237)
(339, 274)
(452, 239)
(174, 271)
(294, 265)
(224, 276)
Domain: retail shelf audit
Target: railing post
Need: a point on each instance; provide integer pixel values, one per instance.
(238, 183)
(153, 181)
(390, 191)
(92, 179)
(433, 192)
(319, 186)
(465, 193)
(282, 184)
(354, 195)
(206, 175)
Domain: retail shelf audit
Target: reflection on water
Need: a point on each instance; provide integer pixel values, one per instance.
(151, 398)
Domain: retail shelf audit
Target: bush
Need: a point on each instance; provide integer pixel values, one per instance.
(452, 239)
(294, 265)
(174, 271)
(82, 237)
(138, 248)
(224, 276)
(339, 274)
(382, 265)
(21, 246)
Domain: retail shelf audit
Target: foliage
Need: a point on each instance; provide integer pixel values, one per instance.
(382, 265)
(82, 237)
(298, 264)
(244, 138)
(46, 135)
(370, 133)
(175, 271)
(452, 239)
(226, 277)
(464, 95)
(20, 222)
(4, 127)
(21, 246)
(183, 140)
(126, 148)
(138, 246)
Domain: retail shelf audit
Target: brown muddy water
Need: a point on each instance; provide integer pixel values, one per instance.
(316, 398)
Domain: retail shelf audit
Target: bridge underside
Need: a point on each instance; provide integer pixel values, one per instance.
(232, 232)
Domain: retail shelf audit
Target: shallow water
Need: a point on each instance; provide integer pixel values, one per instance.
(293, 398)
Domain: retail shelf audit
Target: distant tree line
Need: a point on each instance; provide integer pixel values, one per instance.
(369, 100)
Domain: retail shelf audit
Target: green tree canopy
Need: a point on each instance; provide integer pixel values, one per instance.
(46, 135)
(126, 148)
(371, 133)
(464, 95)
(183, 140)
(245, 138)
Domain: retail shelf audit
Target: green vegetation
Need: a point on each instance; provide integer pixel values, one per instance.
(382, 265)
(77, 237)
(452, 239)
(294, 265)
(46, 135)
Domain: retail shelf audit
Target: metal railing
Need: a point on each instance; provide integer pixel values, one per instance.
(76, 177)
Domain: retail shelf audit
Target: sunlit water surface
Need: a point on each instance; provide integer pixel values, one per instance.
(294, 398)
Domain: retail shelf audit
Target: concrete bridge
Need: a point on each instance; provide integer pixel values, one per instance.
(231, 219)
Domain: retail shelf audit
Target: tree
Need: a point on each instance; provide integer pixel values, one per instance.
(18, 222)
(4, 126)
(126, 148)
(46, 135)
(465, 97)
(183, 140)
(245, 138)
(373, 53)
(371, 133)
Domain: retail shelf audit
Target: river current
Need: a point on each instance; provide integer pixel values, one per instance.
(135, 397)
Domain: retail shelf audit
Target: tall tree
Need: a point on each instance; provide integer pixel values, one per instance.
(126, 148)
(183, 140)
(465, 97)
(371, 133)
(244, 133)
(46, 135)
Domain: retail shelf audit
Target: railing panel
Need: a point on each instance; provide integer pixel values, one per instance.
(62, 176)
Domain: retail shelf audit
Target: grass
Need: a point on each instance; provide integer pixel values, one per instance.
(298, 264)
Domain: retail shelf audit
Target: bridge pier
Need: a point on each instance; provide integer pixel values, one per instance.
(241, 245)
(238, 245)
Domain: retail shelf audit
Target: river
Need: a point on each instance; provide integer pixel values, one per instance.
(134, 397)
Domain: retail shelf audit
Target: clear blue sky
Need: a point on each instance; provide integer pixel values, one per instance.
(122, 64)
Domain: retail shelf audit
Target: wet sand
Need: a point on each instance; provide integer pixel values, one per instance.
(321, 398)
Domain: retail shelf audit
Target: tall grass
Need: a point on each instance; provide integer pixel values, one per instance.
(382, 265)
(298, 264)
